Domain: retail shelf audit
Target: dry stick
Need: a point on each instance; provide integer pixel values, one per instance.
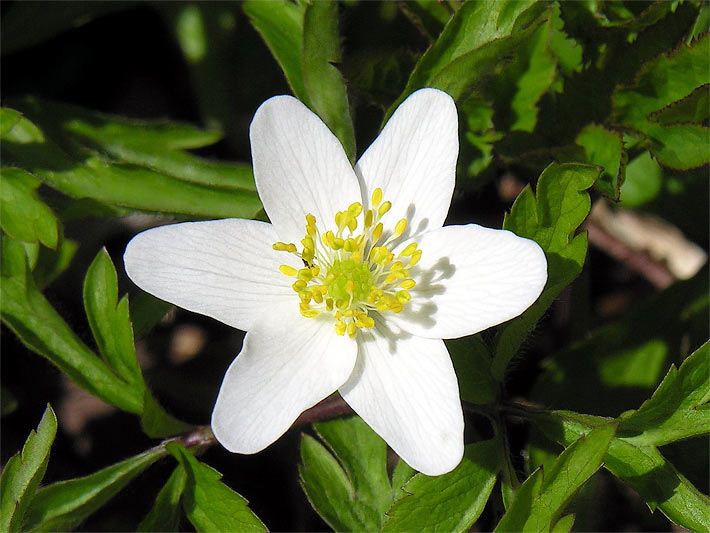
(640, 262)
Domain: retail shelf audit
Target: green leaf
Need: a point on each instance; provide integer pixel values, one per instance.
(564, 524)
(537, 507)
(350, 488)
(329, 490)
(678, 409)
(664, 81)
(24, 471)
(605, 148)
(36, 323)
(109, 320)
(321, 78)
(617, 366)
(643, 468)
(452, 502)
(472, 362)
(694, 108)
(51, 264)
(64, 505)
(551, 218)
(126, 164)
(280, 24)
(166, 512)
(209, 504)
(23, 214)
(473, 26)
(8, 119)
(643, 182)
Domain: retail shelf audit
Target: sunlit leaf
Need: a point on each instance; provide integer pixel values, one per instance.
(540, 501)
(209, 504)
(678, 408)
(551, 218)
(452, 502)
(23, 214)
(64, 505)
(23, 473)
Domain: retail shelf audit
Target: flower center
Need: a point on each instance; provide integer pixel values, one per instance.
(352, 275)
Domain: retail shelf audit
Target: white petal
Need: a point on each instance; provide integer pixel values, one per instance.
(413, 161)
(405, 388)
(300, 167)
(288, 363)
(225, 269)
(471, 278)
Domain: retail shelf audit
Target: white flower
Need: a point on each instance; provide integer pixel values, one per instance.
(364, 304)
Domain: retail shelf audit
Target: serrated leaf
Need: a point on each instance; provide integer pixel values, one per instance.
(668, 79)
(617, 366)
(643, 181)
(678, 408)
(643, 468)
(23, 473)
(605, 147)
(329, 490)
(166, 512)
(64, 505)
(473, 26)
(321, 78)
(209, 504)
(694, 108)
(541, 507)
(472, 362)
(452, 502)
(351, 491)
(280, 24)
(37, 324)
(23, 214)
(109, 320)
(551, 218)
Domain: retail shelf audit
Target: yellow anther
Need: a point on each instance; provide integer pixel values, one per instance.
(318, 297)
(403, 296)
(352, 329)
(299, 285)
(310, 313)
(409, 250)
(329, 304)
(305, 296)
(369, 216)
(355, 209)
(352, 224)
(383, 209)
(337, 243)
(400, 227)
(416, 256)
(376, 196)
(377, 232)
(408, 284)
(305, 274)
(310, 220)
(284, 247)
(288, 270)
(340, 327)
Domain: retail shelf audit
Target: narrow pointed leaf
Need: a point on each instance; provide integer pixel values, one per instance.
(167, 509)
(23, 473)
